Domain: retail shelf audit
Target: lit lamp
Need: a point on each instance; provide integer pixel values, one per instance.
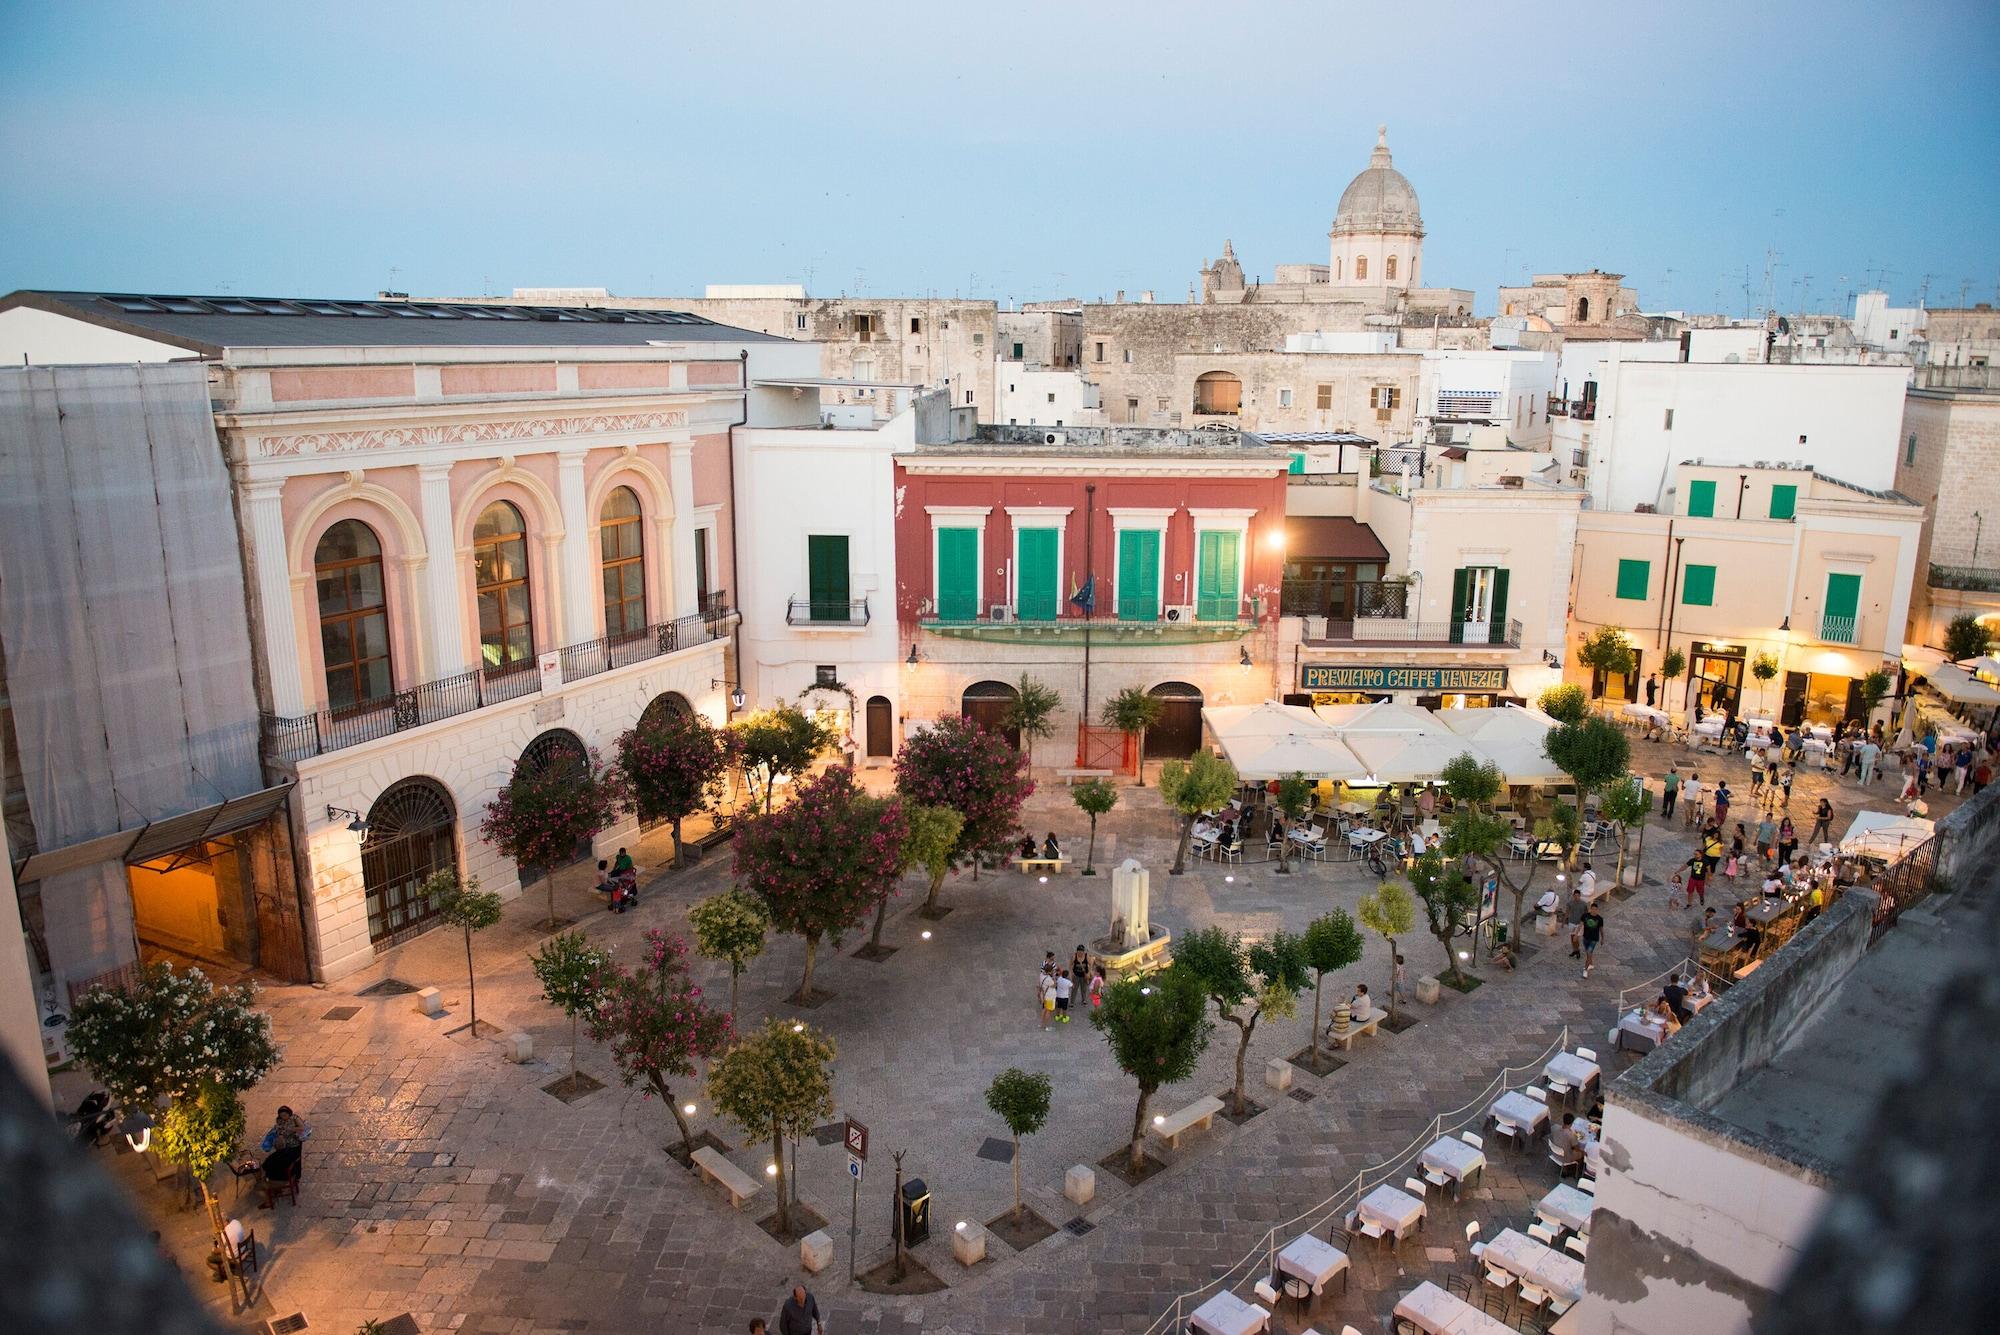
(911, 661)
(927, 934)
(137, 1128)
(1243, 655)
(356, 822)
(736, 696)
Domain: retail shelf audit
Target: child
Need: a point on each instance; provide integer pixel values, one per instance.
(1097, 988)
(1064, 987)
(1677, 894)
(1045, 994)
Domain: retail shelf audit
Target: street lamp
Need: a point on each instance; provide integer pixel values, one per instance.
(356, 822)
(735, 691)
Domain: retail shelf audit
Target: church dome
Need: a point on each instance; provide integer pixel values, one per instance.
(1380, 199)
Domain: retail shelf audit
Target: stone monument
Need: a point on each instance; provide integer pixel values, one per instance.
(1133, 941)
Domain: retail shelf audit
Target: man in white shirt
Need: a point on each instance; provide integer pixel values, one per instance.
(1587, 883)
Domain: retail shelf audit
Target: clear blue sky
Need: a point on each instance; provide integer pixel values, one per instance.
(997, 150)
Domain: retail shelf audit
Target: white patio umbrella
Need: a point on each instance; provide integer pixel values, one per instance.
(1409, 757)
(1510, 737)
(1885, 836)
(1270, 741)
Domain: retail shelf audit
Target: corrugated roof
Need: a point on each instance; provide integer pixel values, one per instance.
(209, 325)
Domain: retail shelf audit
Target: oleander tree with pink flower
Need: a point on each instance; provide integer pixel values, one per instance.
(955, 763)
(674, 765)
(656, 1023)
(822, 861)
(541, 816)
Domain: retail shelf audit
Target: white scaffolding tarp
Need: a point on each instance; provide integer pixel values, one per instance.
(123, 620)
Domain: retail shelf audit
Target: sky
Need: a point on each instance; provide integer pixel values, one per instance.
(1722, 156)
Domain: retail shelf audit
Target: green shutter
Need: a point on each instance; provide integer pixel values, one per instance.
(1460, 582)
(1783, 501)
(1698, 586)
(1633, 576)
(1215, 576)
(1843, 595)
(826, 576)
(1139, 574)
(1036, 597)
(1701, 499)
(1498, 633)
(1298, 464)
(958, 574)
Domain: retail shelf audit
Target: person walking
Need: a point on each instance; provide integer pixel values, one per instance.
(1788, 840)
(1964, 768)
(1786, 777)
(1652, 688)
(1097, 987)
(1691, 808)
(1573, 913)
(1670, 789)
(1822, 829)
(1079, 969)
(1868, 752)
(1697, 892)
(1593, 933)
(1722, 796)
(1982, 774)
(800, 1314)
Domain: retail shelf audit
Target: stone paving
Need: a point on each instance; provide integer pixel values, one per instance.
(442, 1181)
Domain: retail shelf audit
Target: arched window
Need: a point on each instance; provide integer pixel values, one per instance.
(412, 832)
(1360, 266)
(1389, 269)
(1583, 310)
(622, 544)
(353, 616)
(500, 573)
(1218, 393)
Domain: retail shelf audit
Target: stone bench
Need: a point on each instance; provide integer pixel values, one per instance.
(1356, 1027)
(739, 1184)
(1070, 776)
(1197, 1115)
(697, 849)
(1034, 864)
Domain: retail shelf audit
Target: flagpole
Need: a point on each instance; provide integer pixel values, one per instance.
(1090, 607)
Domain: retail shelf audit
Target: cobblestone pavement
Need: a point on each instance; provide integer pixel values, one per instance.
(442, 1181)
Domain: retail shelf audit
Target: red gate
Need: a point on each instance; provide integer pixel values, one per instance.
(1104, 748)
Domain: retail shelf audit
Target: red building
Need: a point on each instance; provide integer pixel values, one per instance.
(1162, 551)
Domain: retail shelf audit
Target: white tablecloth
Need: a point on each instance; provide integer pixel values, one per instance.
(1569, 1207)
(1648, 713)
(1708, 727)
(1454, 1158)
(1521, 1110)
(1227, 1314)
(1571, 1069)
(1361, 838)
(1638, 1033)
(1312, 1259)
(1520, 1255)
(1431, 1309)
(1391, 1209)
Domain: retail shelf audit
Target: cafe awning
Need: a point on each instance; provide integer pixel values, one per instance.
(1270, 741)
(1331, 538)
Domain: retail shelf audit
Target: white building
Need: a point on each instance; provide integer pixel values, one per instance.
(1461, 388)
(1887, 328)
(1041, 396)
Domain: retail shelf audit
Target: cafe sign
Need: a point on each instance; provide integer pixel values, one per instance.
(1431, 680)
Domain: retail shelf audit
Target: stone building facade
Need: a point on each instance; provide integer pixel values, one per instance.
(1949, 462)
(1589, 305)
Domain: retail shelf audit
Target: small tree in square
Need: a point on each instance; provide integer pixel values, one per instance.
(776, 1082)
(1158, 1029)
(1389, 911)
(1331, 943)
(570, 971)
(462, 904)
(931, 839)
(199, 1134)
(1966, 636)
(674, 765)
(1246, 983)
(656, 1024)
(955, 763)
(820, 862)
(1448, 897)
(542, 816)
(780, 743)
(730, 927)
(1093, 797)
(1472, 831)
(1190, 787)
(1607, 651)
(1131, 712)
(1626, 803)
(1764, 667)
(1565, 703)
(1295, 792)
(1672, 664)
(1020, 1099)
(1032, 711)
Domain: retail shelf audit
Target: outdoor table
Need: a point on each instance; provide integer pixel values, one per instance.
(1354, 807)
(1544, 1267)
(1576, 1072)
(1649, 714)
(1569, 1207)
(1455, 1159)
(1697, 1001)
(1305, 834)
(1430, 1309)
(1359, 840)
(1638, 1032)
(1392, 1209)
(1708, 727)
(1313, 1260)
(1822, 731)
(1227, 1314)
(1521, 1110)
(1760, 724)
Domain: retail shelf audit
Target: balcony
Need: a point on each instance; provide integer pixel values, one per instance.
(1969, 579)
(1387, 631)
(831, 614)
(290, 740)
(1173, 626)
(1840, 630)
(1341, 598)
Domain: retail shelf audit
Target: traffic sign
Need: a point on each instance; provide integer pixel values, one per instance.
(857, 1139)
(854, 1168)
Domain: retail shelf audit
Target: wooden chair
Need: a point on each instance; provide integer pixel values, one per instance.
(240, 1252)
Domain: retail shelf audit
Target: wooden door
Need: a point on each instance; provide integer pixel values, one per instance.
(881, 726)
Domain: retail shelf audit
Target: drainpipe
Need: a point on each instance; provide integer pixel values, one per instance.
(1742, 486)
(1667, 593)
(735, 517)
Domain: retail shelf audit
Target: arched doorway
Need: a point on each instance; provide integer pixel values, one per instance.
(985, 703)
(1178, 733)
(881, 726)
(556, 751)
(412, 832)
(1218, 393)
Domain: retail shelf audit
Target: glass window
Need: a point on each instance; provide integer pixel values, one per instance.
(500, 575)
(1701, 498)
(353, 616)
(1783, 500)
(1698, 586)
(621, 545)
(1632, 578)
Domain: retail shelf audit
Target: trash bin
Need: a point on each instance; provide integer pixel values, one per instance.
(916, 1206)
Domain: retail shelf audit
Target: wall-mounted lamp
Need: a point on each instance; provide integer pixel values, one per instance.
(911, 661)
(1243, 655)
(356, 822)
(1551, 660)
(735, 691)
(1785, 625)
(137, 1129)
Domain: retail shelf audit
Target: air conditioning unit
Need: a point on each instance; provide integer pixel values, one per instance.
(1054, 438)
(999, 612)
(1181, 612)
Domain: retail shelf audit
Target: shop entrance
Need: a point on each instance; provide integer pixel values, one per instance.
(195, 905)
(1715, 676)
(1619, 688)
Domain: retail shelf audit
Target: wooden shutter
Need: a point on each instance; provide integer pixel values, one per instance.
(1460, 582)
(958, 574)
(1701, 499)
(1036, 597)
(826, 576)
(1215, 577)
(1138, 574)
(1843, 595)
(1498, 633)
(1784, 501)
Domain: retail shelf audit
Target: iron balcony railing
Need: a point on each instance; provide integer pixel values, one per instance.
(1383, 630)
(827, 612)
(1070, 617)
(290, 740)
(1839, 630)
(1971, 579)
(1357, 598)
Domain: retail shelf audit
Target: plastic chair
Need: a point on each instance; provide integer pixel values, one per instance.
(1587, 1054)
(1577, 1246)
(1414, 1187)
(1472, 1140)
(1543, 1234)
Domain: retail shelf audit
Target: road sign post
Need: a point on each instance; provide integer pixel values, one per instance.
(856, 1137)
